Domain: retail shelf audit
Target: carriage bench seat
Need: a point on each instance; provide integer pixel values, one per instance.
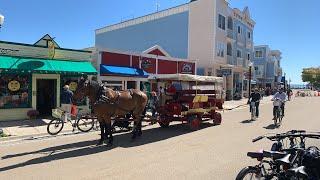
(198, 111)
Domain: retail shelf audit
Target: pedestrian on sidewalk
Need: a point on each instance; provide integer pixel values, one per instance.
(66, 101)
(255, 97)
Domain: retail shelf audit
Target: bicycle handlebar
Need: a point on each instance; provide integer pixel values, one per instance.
(292, 133)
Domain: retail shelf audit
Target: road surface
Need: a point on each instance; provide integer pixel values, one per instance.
(214, 152)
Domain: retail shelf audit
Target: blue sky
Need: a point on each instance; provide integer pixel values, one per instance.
(288, 25)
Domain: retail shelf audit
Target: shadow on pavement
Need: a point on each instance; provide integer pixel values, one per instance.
(89, 147)
(247, 121)
(23, 123)
(271, 126)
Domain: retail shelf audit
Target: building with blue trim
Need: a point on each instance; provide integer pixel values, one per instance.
(267, 65)
(219, 37)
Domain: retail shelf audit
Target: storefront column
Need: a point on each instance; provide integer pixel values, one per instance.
(138, 85)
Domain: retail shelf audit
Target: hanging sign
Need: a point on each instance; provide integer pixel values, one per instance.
(14, 86)
(186, 68)
(73, 86)
(51, 50)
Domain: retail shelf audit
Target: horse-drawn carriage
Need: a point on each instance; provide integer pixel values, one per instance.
(195, 99)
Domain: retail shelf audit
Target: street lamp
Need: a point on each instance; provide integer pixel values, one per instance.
(250, 72)
(1, 20)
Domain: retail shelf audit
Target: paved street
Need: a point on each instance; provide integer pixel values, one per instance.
(214, 152)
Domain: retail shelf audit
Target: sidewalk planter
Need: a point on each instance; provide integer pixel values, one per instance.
(32, 114)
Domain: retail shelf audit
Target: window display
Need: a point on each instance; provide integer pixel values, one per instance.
(15, 91)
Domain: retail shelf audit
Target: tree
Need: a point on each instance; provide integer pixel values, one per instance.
(312, 76)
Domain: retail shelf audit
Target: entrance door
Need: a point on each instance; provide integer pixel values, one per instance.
(46, 96)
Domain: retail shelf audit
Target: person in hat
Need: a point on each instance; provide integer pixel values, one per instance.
(66, 100)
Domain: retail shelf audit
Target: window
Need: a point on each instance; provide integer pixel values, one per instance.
(239, 54)
(248, 56)
(249, 35)
(15, 91)
(222, 22)
(239, 30)
(258, 54)
(230, 23)
(229, 49)
(220, 49)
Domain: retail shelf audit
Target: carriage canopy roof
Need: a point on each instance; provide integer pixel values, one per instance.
(187, 77)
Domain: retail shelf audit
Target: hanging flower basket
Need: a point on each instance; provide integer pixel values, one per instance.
(32, 114)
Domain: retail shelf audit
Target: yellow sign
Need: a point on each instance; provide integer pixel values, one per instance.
(73, 86)
(14, 85)
(51, 49)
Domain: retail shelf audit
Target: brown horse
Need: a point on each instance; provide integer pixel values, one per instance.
(114, 104)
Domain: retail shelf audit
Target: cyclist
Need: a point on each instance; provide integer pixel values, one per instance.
(255, 97)
(281, 95)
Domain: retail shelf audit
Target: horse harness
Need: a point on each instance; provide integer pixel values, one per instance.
(102, 98)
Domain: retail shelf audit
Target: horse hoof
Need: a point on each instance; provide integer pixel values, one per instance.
(100, 143)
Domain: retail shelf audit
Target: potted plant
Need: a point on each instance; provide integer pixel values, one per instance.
(32, 114)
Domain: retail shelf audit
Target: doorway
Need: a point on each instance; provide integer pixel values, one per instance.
(46, 96)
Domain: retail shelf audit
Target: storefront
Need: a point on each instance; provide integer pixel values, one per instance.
(126, 70)
(32, 76)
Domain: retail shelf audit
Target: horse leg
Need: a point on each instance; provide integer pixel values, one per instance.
(134, 130)
(102, 134)
(109, 131)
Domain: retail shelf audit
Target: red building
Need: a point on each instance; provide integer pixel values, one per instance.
(125, 70)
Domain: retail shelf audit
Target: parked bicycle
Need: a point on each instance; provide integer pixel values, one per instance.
(283, 162)
(82, 121)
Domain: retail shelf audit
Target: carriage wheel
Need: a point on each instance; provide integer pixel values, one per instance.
(195, 123)
(164, 122)
(217, 118)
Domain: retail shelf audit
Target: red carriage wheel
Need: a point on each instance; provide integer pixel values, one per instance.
(195, 123)
(164, 121)
(217, 118)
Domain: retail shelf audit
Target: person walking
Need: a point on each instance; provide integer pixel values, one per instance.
(255, 97)
(66, 101)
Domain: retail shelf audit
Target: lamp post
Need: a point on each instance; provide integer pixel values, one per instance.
(250, 72)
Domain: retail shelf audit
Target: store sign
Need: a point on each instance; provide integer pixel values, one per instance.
(145, 64)
(186, 68)
(224, 72)
(73, 86)
(14, 86)
(51, 49)
(19, 50)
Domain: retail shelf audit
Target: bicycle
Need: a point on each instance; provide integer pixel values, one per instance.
(278, 114)
(253, 110)
(82, 121)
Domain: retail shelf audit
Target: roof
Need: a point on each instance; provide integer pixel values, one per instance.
(187, 77)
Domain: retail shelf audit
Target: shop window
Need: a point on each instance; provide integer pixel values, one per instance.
(15, 91)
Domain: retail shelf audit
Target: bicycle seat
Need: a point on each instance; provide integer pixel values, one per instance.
(284, 160)
(255, 155)
(274, 154)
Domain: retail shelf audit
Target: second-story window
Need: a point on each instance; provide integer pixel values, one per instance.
(222, 22)
(248, 56)
(239, 30)
(258, 54)
(239, 55)
(220, 49)
(249, 35)
(230, 23)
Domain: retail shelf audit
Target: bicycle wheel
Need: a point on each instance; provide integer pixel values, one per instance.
(249, 173)
(55, 126)
(85, 124)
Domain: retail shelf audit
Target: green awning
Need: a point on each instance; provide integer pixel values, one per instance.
(10, 64)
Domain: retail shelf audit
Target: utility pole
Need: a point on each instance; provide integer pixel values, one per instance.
(157, 5)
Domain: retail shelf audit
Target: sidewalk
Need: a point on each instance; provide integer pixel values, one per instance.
(27, 128)
(229, 105)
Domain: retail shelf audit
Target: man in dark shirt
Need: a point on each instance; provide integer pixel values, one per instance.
(66, 101)
(255, 97)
